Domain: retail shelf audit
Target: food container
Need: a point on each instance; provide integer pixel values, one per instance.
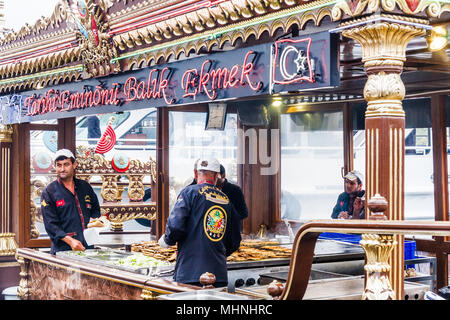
(213, 294)
(110, 258)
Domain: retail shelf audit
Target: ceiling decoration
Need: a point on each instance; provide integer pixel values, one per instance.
(117, 35)
(353, 8)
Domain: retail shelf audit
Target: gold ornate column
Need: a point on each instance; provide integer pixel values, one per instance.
(383, 45)
(8, 245)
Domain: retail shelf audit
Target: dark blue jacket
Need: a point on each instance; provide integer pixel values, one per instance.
(236, 196)
(206, 227)
(61, 212)
(344, 203)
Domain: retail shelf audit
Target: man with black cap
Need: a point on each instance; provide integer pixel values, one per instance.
(205, 227)
(234, 193)
(350, 204)
(67, 204)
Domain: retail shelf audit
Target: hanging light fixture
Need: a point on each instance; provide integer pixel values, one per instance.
(438, 38)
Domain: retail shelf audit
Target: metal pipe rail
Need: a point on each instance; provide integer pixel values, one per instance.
(305, 241)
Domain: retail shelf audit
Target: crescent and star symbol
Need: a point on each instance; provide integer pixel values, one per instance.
(300, 61)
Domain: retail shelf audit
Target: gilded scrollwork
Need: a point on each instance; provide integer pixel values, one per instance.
(378, 249)
(97, 49)
(232, 37)
(384, 93)
(148, 294)
(384, 52)
(23, 291)
(60, 14)
(110, 189)
(37, 187)
(135, 187)
(8, 244)
(383, 43)
(117, 215)
(345, 9)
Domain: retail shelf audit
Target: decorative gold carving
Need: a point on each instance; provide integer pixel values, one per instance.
(147, 294)
(343, 9)
(384, 45)
(135, 188)
(8, 244)
(433, 8)
(110, 189)
(384, 93)
(96, 49)
(117, 215)
(377, 268)
(37, 187)
(91, 163)
(23, 291)
(60, 14)
(222, 14)
(6, 132)
(94, 58)
(231, 37)
(40, 80)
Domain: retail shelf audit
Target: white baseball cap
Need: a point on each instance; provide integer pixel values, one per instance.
(64, 153)
(353, 175)
(209, 164)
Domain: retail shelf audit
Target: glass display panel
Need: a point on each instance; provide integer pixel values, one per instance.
(190, 141)
(43, 146)
(311, 162)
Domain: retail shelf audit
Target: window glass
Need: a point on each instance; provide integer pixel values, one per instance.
(88, 127)
(311, 161)
(419, 188)
(43, 146)
(359, 151)
(189, 141)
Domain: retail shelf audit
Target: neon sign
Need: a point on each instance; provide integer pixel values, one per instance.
(54, 100)
(295, 64)
(307, 62)
(204, 82)
(152, 89)
(208, 81)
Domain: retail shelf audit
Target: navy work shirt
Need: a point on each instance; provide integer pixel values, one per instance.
(66, 214)
(205, 225)
(236, 196)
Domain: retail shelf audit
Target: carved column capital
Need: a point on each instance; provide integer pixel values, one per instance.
(6, 132)
(383, 53)
(383, 44)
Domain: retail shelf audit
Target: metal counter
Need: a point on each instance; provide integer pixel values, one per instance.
(331, 255)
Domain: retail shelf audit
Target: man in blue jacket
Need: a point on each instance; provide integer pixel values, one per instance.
(350, 204)
(67, 204)
(206, 227)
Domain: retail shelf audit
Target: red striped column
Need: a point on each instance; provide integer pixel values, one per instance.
(384, 45)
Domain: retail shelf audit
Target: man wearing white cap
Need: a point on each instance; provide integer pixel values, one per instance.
(67, 204)
(205, 226)
(350, 204)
